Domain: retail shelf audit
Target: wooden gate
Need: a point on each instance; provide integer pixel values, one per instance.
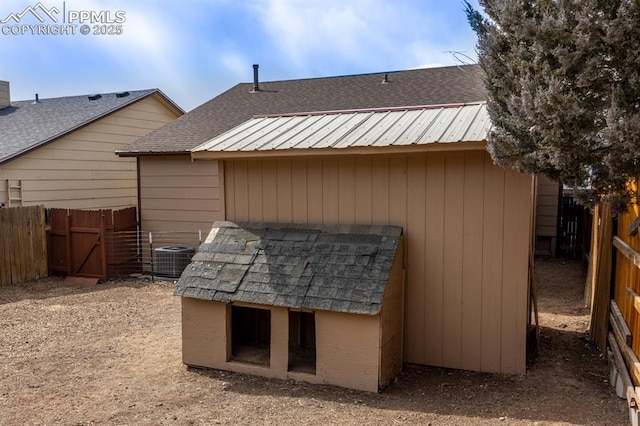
(84, 243)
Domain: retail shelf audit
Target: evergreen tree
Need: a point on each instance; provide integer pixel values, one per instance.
(564, 90)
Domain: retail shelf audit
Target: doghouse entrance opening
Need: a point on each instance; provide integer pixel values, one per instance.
(250, 335)
(302, 342)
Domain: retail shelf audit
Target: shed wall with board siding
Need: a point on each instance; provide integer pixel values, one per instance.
(467, 226)
(177, 194)
(81, 170)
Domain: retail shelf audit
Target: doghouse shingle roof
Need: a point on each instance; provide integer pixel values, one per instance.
(338, 268)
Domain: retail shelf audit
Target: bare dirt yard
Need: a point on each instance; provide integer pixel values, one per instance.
(110, 354)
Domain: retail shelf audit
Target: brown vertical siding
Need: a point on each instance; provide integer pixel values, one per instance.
(517, 204)
(453, 262)
(417, 302)
(363, 191)
(473, 234)
(431, 264)
(315, 183)
(466, 226)
(179, 195)
(493, 257)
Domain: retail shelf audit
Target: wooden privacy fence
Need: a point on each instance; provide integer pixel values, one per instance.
(93, 243)
(615, 311)
(23, 248)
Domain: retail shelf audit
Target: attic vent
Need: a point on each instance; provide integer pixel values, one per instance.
(94, 97)
(122, 95)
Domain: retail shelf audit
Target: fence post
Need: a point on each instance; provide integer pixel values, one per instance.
(67, 237)
(103, 244)
(153, 278)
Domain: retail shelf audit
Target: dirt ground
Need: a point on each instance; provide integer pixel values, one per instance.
(110, 354)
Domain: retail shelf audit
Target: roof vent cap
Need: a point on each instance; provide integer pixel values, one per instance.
(122, 94)
(256, 87)
(94, 97)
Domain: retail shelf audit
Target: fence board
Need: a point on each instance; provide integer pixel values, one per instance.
(94, 243)
(23, 249)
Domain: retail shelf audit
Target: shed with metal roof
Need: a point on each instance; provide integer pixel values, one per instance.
(466, 222)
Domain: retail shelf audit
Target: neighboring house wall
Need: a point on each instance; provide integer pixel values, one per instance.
(81, 170)
(548, 193)
(467, 227)
(177, 194)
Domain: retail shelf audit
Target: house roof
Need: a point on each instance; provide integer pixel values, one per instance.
(444, 124)
(427, 86)
(27, 125)
(338, 268)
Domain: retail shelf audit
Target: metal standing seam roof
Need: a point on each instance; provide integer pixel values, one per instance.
(351, 129)
(340, 268)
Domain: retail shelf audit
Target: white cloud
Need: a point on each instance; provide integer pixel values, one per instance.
(304, 29)
(369, 34)
(236, 64)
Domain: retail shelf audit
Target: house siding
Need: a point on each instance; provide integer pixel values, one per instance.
(467, 227)
(177, 194)
(81, 169)
(547, 197)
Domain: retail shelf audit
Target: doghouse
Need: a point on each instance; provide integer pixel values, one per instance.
(318, 303)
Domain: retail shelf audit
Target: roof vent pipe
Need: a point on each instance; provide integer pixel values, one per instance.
(37, 101)
(5, 96)
(385, 80)
(256, 88)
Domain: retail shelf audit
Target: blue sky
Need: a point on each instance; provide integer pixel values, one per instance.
(195, 50)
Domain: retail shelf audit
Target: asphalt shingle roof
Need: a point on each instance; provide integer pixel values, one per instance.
(342, 268)
(26, 125)
(427, 86)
